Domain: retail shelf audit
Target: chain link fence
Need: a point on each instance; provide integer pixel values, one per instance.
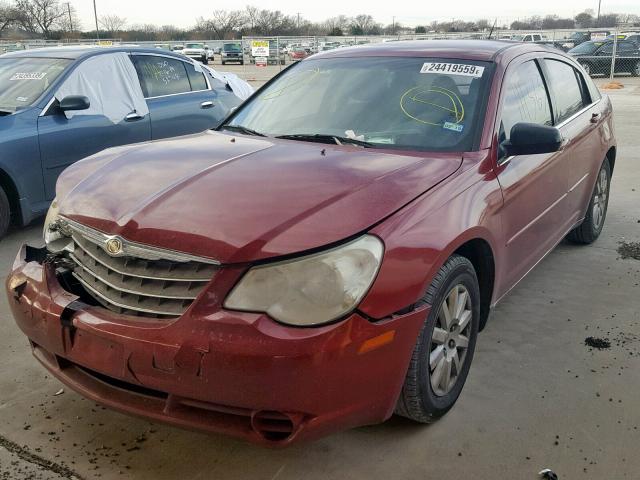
(606, 52)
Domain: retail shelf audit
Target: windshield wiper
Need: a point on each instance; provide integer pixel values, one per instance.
(241, 129)
(325, 138)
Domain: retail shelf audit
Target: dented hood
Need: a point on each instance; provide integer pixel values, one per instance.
(240, 198)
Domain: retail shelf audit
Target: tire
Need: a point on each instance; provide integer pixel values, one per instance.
(419, 400)
(5, 213)
(222, 62)
(205, 61)
(635, 71)
(591, 227)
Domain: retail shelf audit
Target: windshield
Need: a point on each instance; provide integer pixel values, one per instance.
(23, 80)
(585, 48)
(387, 102)
(231, 47)
(194, 45)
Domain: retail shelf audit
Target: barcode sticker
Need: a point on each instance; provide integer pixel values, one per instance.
(28, 76)
(453, 69)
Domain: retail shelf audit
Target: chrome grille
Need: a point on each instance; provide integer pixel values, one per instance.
(132, 285)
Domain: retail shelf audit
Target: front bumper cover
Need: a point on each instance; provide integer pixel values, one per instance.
(236, 373)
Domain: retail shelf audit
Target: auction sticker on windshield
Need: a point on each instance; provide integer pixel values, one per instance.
(453, 68)
(28, 76)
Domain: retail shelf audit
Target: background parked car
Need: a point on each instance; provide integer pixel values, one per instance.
(299, 53)
(197, 51)
(232, 52)
(59, 105)
(595, 57)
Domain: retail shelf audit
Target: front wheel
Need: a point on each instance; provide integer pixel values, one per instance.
(589, 230)
(587, 67)
(635, 71)
(444, 350)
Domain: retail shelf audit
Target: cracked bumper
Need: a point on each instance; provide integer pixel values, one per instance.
(235, 373)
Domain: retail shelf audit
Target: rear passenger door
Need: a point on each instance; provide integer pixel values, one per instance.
(577, 114)
(179, 97)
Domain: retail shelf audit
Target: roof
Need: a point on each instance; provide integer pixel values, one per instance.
(82, 51)
(483, 50)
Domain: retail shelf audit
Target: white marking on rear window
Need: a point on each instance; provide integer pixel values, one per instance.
(28, 76)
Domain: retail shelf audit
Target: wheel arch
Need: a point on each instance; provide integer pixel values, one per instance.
(479, 252)
(9, 186)
(611, 157)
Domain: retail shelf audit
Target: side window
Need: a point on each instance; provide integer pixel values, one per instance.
(196, 78)
(567, 92)
(627, 47)
(161, 75)
(525, 99)
(606, 49)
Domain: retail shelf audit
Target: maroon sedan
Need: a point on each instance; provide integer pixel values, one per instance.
(326, 257)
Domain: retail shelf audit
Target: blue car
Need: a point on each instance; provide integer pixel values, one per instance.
(59, 105)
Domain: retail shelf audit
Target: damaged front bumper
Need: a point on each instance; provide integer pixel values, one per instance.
(236, 373)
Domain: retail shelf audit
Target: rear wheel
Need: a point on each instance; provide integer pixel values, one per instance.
(635, 71)
(589, 230)
(444, 350)
(5, 213)
(587, 67)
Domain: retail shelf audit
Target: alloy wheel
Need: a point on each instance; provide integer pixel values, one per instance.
(600, 199)
(450, 340)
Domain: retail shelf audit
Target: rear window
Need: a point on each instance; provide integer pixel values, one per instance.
(563, 81)
(23, 80)
(160, 76)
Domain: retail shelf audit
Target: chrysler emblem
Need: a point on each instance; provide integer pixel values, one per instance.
(114, 246)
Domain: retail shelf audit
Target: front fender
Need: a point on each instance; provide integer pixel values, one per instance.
(419, 238)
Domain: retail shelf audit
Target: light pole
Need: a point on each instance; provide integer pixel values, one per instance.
(598, 19)
(95, 14)
(70, 20)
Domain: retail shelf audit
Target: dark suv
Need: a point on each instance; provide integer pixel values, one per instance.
(595, 57)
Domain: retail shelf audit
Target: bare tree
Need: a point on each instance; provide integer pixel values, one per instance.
(223, 22)
(8, 15)
(363, 24)
(113, 23)
(40, 15)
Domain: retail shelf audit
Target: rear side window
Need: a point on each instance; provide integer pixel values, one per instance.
(161, 76)
(525, 99)
(565, 88)
(196, 78)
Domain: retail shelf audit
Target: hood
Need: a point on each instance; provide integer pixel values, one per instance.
(240, 198)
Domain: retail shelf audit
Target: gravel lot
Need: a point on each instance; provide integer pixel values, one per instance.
(537, 396)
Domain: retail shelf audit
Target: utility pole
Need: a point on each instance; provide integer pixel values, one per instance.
(598, 19)
(70, 20)
(298, 21)
(95, 14)
(393, 26)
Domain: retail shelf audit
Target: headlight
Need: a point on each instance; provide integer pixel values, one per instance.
(54, 237)
(49, 232)
(311, 290)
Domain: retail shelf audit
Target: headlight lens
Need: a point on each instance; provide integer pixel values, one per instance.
(48, 233)
(311, 290)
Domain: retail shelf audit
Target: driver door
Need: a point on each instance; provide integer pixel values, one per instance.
(64, 141)
(534, 187)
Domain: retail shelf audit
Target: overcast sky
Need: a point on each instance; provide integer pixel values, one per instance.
(409, 12)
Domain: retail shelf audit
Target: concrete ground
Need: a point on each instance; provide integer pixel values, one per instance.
(536, 396)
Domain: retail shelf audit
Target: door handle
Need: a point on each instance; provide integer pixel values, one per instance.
(133, 116)
(207, 104)
(595, 117)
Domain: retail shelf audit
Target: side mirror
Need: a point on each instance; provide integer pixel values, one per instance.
(531, 138)
(74, 102)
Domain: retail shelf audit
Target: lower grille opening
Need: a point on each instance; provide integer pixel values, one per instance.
(122, 385)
